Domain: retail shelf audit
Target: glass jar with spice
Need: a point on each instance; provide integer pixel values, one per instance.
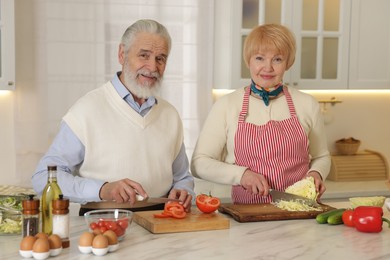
(60, 210)
(30, 216)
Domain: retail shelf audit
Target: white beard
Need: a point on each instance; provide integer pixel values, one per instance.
(141, 91)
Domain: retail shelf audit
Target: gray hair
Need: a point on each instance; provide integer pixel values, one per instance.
(148, 26)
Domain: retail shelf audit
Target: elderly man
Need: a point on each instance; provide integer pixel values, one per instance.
(121, 140)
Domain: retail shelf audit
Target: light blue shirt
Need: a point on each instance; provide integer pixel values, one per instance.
(67, 152)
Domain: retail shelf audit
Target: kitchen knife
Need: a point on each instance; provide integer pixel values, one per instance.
(141, 202)
(154, 200)
(280, 195)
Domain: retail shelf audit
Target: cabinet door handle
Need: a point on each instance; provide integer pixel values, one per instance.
(10, 83)
(295, 83)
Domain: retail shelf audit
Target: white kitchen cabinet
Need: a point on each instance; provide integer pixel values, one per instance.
(341, 44)
(321, 28)
(7, 45)
(370, 45)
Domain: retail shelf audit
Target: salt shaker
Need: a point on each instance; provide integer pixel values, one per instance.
(60, 212)
(30, 216)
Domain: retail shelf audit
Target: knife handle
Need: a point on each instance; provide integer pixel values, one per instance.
(139, 197)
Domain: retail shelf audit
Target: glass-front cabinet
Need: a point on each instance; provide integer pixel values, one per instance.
(7, 45)
(328, 35)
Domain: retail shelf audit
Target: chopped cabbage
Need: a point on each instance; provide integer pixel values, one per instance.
(295, 206)
(11, 202)
(377, 201)
(10, 226)
(10, 223)
(304, 188)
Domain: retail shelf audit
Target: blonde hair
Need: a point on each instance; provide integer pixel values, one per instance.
(270, 37)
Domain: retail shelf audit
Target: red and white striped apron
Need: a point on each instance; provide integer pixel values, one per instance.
(278, 150)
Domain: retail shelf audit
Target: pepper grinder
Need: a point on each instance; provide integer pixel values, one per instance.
(60, 212)
(30, 216)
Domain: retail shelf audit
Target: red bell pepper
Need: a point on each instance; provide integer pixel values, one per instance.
(368, 219)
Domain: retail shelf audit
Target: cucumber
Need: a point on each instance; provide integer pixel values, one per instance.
(336, 218)
(323, 217)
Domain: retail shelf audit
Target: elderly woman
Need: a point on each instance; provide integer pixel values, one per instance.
(265, 135)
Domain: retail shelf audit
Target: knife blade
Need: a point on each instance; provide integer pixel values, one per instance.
(154, 200)
(280, 195)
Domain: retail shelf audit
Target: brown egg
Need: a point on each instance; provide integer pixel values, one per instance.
(41, 245)
(41, 235)
(100, 241)
(97, 231)
(55, 241)
(86, 239)
(111, 237)
(27, 243)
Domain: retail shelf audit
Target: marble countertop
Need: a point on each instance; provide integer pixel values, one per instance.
(289, 239)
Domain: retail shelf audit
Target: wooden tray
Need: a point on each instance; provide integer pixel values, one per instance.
(266, 212)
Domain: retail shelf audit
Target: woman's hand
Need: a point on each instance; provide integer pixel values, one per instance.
(254, 183)
(184, 197)
(320, 186)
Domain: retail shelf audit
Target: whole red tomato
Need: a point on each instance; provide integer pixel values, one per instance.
(207, 203)
(347, 218)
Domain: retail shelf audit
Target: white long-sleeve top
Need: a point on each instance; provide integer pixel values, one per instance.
(213, 158)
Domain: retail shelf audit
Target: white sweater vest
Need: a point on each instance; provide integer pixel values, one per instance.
(120, 143)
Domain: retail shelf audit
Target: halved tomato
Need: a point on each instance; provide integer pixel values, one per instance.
(207, 203)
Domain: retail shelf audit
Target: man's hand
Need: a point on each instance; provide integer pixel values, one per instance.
(124, 190)
(254, 183)
(183, 196)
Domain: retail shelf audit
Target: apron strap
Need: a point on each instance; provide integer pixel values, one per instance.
(290, 103)
(244, 108)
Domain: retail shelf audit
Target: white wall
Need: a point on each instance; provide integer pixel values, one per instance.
(364, 116)
(7, 144)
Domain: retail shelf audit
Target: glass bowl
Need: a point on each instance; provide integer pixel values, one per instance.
(118, 220)
(10, 223)
(10, 214)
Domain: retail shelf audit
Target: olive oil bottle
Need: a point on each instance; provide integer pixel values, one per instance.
(50, 193)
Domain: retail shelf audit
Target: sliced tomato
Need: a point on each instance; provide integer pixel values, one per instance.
(173, 205)
(162, 215)
(172, 209)
(207, 203)
(179, 213)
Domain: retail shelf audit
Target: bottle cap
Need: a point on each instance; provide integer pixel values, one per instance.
(52, 167)
(30, 206)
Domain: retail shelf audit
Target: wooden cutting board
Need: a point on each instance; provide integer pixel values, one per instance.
(266, 212)
(194, 221)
